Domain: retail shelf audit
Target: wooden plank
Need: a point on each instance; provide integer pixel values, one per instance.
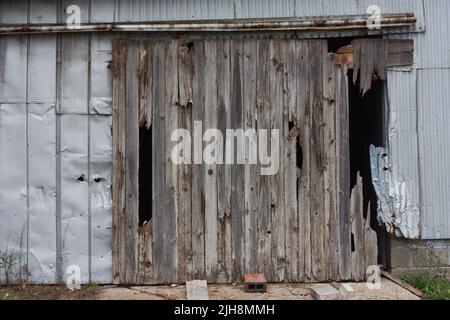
(356, 216)
(145, 251)
(120, 52)
(198, 192)
(343, 174)
(400, 52)
(290, 169)
(160, 254)
(331, 243)
(316, 158)
(263, 122)
(250, 175)
(237, 170)
(210, 170)
(276, 183)
(303, 122)
(197, 290)
(224, 172)
(370, 255)
(172, 189)
(145, 77)
(185, 76)
(132, 165)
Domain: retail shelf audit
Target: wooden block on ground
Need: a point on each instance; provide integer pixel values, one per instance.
(324, 292)
(197, 290)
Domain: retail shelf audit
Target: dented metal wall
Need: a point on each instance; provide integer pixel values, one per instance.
(55, 124)
(419, 132)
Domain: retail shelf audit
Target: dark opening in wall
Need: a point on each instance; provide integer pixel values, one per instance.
(145, 175)
(368, 127)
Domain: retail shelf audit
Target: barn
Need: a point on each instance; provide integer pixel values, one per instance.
(155, 142)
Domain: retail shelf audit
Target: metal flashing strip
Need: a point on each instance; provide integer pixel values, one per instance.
(328, 23)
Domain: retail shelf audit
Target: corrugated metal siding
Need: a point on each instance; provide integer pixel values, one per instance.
(432, 61)
(403, 152)
(156, 10)
(434, 140)
(63, 132)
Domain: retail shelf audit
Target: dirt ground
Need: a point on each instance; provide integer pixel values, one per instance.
(388, 291)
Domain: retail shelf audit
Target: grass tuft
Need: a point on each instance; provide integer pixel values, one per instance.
(434, 286)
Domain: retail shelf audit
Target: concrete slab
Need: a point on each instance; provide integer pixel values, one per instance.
(324, 292)
(197, 290)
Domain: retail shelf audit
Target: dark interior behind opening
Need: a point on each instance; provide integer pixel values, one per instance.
(145, 175)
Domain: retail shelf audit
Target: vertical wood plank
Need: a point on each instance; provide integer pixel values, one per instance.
(331, 243)
(120, 52)
(185, 76)
(198, 192)
(304, 120)
(132, 164)
(145, 78)
(316, 157)
(250, 175)
(290, 169)
(263, 122)
(276, 182)
(160, 254)
(172, 190)
(224, 172)
(343, 174)
(237, 170)
(210, 170)
(357, 227)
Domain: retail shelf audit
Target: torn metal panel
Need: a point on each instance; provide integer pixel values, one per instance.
(13, 189)
(74, 194)
(100, 198)
(395, 207)
(42, 193)
(402, 134)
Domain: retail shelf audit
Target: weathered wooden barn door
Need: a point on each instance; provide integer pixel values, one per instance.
(218, 221)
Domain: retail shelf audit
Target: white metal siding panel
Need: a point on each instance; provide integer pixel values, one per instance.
(43, 11)
(13, 12)
(42, 192)
(157, 10)
(101, 77)
(100, 196)
(13, 185)
(434, 135)
(74, 77)
(13, 71)
(264, 8)
(74, 193)
(434, 45)
(42, 159)
(42, 69)
(103, 11)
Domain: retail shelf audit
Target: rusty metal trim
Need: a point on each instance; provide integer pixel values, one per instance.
(329, 23)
